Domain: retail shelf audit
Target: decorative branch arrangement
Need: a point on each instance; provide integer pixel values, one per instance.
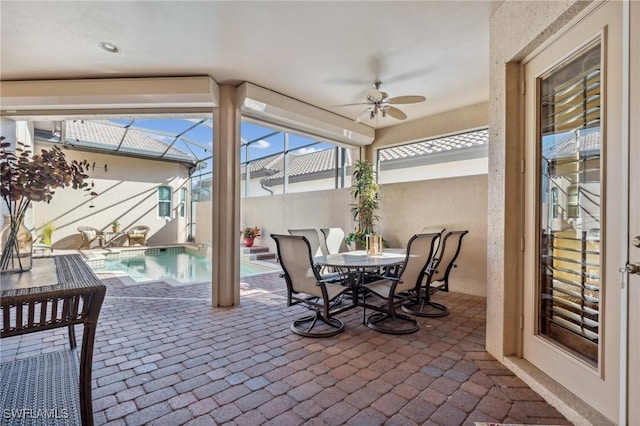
(26, 178)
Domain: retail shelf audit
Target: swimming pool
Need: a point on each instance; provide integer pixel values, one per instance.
(175, 266)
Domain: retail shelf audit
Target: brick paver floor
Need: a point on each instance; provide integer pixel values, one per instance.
(164, 356)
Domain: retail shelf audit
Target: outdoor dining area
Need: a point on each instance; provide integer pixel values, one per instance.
(329, 282)
(171, 359)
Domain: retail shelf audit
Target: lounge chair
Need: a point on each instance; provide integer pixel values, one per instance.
(89, 236)
(138, 235)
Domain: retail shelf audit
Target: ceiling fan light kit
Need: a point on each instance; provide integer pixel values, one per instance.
(379, 102)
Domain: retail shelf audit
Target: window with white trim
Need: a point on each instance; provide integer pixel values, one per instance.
(164, 201)
(183, 201)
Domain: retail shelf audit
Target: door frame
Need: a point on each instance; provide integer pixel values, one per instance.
(614, 412)
(630, 315)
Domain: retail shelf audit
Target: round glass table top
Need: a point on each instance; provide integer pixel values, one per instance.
(360, 259)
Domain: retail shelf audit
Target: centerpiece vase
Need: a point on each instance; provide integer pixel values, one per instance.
(16, 246)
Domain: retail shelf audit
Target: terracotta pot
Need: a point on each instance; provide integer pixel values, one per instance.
(248, 241)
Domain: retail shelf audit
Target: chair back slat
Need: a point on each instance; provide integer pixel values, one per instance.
(294, 252)
(334, 240)
(55, 312)
(449, 251)
(419, 253)
(312, 237)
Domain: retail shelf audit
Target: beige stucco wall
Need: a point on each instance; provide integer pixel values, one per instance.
(406, 208)
(127, 191)
(317, 209)
(452, 203)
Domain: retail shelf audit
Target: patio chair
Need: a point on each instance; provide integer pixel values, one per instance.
(437, 278)
(89, 236)
(312, 237)
(334, 240)
(306, 286)
(137, 235)
(395, 290)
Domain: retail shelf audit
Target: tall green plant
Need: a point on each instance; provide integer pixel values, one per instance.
(364, 191)
(47, 232)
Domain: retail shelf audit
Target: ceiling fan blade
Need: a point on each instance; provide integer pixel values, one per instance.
(354, 104)
(395, 113)
(406, 99)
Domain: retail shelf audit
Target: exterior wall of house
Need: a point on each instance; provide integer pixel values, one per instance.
(203, 222)
(475, 166)
(406, 209)
(316, 209)
(452, 203)
(308, 185)
(127, 192)
(517, 29)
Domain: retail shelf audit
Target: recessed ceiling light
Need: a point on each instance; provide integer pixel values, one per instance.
(109, 47)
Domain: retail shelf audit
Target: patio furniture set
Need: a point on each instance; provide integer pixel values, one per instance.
(136, 235)
(331, 283)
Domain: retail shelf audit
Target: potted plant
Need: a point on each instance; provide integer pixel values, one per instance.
(47, 232)
(365, 193)
(26, 178)
(115, 225)
(249, 234)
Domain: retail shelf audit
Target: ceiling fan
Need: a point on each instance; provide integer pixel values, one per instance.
(380, 102)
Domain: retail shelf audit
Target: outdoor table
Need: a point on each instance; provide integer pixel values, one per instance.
(355, 264)
(359, 261)
(59, 291)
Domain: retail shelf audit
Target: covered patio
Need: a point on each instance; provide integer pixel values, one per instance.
(169, 358)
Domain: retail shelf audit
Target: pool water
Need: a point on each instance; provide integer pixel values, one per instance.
(170, 266)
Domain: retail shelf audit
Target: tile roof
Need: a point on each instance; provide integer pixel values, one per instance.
(323, 161)
(91, 134)
(299, 164)
(435, 146)
(311, 163)
(586, 143)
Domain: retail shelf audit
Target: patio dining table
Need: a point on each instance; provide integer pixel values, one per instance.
(356, 264)
(359, 260)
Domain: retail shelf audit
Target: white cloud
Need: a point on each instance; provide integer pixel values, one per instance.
(261, 144)
(303, 151)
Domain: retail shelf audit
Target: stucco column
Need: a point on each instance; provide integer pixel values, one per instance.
(225, 280)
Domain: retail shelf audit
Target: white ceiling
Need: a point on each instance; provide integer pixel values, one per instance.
(323, 53)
